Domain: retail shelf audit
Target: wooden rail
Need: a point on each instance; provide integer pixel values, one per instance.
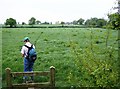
(50, 83)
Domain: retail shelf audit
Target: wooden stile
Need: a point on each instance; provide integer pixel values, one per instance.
(8, 77)
(50, 83)
(52, 76)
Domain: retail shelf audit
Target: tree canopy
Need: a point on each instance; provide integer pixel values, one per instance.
(95, 22)
(38, 22)
(11, 22)
(114, 21)
(80, 21)
(32, 21)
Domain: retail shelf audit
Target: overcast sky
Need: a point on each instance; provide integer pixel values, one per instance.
(54, 10)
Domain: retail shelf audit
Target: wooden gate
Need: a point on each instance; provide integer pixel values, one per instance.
(50, 83)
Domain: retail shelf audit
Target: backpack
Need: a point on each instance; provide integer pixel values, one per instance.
(32, 55)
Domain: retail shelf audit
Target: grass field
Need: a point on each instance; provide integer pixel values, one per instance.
(0, 58)
(83, 57)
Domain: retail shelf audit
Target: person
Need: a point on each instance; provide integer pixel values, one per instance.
(28, 65)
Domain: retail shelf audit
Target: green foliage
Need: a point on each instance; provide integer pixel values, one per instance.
(75, 22)
(38, 22)
(11, 22)
(101, 22)
(1, 58)
(80, 21)
(32, 21)
(46, 23)
(95, 67)
(23, 23)
(62, 23)
(69, 50)
(114, 21)
(95, 22)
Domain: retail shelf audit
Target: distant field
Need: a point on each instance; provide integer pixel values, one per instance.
(46, 26)
(83, 57)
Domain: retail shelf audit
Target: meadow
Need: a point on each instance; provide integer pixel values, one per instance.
(83, 57)
(0, 58)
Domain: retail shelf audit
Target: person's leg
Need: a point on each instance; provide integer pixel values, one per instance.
(26, 68)
(31, 68)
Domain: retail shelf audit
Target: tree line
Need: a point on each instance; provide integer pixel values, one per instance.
(112, 22)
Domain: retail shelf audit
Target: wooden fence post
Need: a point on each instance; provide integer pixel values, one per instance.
(8, 77)
(52, 76)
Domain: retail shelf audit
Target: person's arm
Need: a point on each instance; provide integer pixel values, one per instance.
(34, 46)
(22, 55)
(22, 51)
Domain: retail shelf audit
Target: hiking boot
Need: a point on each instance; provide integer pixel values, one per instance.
(30, 81)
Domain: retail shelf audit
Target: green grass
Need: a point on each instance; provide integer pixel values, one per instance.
(0, 58)
(79, 55)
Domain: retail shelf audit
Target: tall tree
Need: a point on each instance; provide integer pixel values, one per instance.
(91, 22)
(87, 22)
(101, 22)
(12, 22)
(95, 22)
(80, 21)
(62, 23)
(119, 6)
(114, 21)
(75, 22)
(23, 23)
(114, 18)
(32, 21)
